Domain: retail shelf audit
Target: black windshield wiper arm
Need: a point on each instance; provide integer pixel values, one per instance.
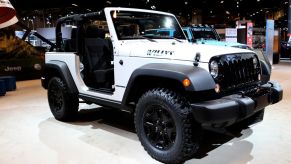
(176, 39)
(145, 37)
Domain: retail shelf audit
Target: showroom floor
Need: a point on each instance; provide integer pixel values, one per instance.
(30, 134)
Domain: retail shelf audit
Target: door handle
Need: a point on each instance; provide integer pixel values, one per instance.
(121, 62)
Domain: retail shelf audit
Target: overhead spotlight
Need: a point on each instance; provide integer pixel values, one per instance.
(109, 2)
(153, 7)
(186, 3)
(221, 1)
(73, 4)
(227, 12)
(258, 0)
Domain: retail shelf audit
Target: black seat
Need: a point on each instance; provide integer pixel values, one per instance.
(70, 44)
(99, 57)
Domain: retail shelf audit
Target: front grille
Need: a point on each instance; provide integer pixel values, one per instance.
(237, 70)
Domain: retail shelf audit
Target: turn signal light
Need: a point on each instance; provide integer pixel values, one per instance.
(217, 88)
(186, 82)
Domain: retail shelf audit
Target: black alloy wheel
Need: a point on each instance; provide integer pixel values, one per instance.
(159, 127)
(64, 105)
(165, 126)
(56, 98)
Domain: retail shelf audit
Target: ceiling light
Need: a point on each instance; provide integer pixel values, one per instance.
(227, 12)
(221, 1)
(73, 4)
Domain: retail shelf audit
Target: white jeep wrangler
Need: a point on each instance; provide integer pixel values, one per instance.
(174, 88)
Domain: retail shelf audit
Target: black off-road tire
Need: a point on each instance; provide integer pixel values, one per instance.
(175, 141)
(64, 106)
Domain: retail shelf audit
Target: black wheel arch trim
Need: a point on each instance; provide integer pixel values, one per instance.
(62, 70)
(200, 79)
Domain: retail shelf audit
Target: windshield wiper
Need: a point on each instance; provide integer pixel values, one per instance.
(171, 37)
(148, 38)
(137, 37)
(177, 39)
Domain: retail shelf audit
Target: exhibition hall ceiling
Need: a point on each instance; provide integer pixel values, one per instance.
(211, 9)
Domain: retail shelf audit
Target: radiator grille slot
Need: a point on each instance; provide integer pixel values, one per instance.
(238, 72)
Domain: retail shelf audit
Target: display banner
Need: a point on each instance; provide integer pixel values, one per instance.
(270, 40)
(7, 14)
(231, 35)
(250, 34)
(18, 57)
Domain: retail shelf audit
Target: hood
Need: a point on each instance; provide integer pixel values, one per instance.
(174, 50)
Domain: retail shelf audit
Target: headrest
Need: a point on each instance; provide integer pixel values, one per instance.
(93, 31)
(127, 31)
(74, 33)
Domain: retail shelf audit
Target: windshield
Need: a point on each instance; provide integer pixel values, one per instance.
(204, 33)
(141, 25)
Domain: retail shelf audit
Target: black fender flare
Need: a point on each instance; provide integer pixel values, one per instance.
(200, 79)
(58, 68)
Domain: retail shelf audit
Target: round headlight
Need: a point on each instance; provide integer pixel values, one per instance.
(214, 69)
(255, 62)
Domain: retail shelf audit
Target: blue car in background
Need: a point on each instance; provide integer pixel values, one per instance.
(160, 32)
(208, 35)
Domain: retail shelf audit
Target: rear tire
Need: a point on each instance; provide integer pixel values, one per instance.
(64, 106)
(165, 126)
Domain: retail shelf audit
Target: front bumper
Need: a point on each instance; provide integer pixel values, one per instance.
(233, 108)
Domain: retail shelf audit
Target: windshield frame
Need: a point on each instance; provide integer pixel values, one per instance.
(176, 25)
